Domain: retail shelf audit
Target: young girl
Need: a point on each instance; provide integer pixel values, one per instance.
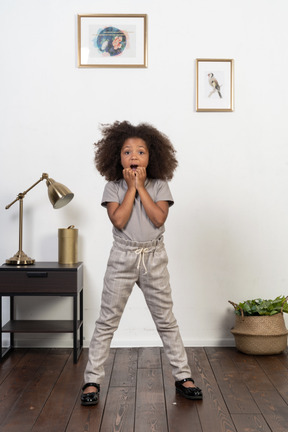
(136, 161)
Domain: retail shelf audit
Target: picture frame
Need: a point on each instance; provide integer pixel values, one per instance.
(109, 41)
(214, 84)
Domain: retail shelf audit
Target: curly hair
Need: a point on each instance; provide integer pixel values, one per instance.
(162, 160)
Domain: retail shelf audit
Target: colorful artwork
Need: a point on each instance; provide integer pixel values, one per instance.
(111, 41)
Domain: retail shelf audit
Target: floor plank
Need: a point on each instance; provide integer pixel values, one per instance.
(119, 411)
(29, 405)
(9, 363)
(40, 392)
(250, 370)
(273, 408)
(150, 404)
(234, 390)
(277, 374)
(213, 413)
(125, 367)
(149, 358)
(250, 423)
(182, 414)
(58, 408)
(14, 387)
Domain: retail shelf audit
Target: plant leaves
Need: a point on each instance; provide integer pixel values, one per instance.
(258, 307)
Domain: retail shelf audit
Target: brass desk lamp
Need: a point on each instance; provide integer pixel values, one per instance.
(59, 196)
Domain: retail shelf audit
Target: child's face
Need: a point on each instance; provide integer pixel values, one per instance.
(134, 154)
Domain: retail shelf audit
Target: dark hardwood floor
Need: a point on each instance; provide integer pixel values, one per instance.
(40, 391)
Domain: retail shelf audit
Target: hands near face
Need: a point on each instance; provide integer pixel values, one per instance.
(135, 178)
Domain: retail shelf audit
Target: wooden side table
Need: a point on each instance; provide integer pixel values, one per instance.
(43, 279)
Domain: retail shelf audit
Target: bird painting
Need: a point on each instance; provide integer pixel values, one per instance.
(214, 84)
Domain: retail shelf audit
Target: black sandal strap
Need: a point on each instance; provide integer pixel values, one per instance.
(186, 379)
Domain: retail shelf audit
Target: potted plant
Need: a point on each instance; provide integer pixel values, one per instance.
(260, 327)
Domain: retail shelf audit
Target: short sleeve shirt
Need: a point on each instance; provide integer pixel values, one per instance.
(139, 227)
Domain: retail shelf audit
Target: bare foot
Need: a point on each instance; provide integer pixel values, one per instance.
(90, 389)
(188, 384)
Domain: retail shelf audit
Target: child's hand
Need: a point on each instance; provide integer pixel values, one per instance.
(141, 175)
(130, 177)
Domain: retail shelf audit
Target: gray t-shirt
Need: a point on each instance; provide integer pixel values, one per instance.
(139, 227)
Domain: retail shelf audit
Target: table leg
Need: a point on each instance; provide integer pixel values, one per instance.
(81, 319)
(11, 319)
(1, 334)
(75, 313)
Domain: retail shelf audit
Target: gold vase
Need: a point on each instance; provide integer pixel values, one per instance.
(68, 245)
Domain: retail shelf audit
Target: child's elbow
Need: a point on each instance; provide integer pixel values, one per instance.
(159, 222)
(118, 223)
(119, 226)
(158, 225)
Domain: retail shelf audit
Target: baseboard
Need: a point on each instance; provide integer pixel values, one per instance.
(62, 342)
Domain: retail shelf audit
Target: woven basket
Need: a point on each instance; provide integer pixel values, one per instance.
(260, 335)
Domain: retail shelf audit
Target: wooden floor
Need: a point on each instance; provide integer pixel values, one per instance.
(40, 391)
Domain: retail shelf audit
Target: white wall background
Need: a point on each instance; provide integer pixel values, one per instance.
(227, 235)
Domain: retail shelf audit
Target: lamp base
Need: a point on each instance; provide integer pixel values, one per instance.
(20, 258)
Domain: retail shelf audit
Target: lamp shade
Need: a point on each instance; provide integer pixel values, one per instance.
(59, 195)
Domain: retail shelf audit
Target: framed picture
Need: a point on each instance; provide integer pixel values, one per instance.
(112, 41)
(214, 84)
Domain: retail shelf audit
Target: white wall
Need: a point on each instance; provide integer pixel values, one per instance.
(227, 235)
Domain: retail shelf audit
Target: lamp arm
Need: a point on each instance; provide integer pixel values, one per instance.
(22, 195)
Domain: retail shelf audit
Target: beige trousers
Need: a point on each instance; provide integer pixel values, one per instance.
(146, 265)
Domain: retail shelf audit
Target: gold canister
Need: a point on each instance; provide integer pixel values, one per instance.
(68, 245)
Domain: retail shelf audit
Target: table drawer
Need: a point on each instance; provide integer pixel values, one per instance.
(40, 282)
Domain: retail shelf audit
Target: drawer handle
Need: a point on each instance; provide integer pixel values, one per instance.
(37, 274)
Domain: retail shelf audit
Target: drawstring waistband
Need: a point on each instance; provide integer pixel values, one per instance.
(141, 252)
(139, 248)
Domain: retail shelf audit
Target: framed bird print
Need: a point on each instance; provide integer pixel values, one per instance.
(214, 84)
(112, 41)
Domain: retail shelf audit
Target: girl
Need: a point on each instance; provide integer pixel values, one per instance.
(136, 161)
